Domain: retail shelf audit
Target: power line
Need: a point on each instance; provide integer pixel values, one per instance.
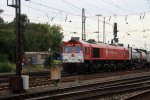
(54, 8)
(105, 8)
(48, 7)
(74, 13)
(98, 7)
(71, 5)
(115, 5)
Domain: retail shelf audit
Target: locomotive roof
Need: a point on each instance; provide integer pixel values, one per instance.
(94, 44)
(77, 41)
(104, 45)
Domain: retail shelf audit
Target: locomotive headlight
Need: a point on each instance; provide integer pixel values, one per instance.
(80, 60)
(65, 60)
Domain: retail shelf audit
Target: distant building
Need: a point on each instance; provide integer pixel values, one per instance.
(35, 58)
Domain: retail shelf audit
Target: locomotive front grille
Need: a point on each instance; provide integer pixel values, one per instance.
(77, 58)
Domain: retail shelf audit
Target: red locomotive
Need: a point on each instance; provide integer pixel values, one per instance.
(81, 56)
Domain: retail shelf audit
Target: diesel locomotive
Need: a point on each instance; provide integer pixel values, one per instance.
(81, 56)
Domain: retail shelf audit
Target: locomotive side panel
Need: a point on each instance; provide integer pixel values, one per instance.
(87, 52)
(107, 52)
(115, 53)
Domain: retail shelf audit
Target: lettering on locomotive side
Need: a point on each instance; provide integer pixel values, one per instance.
(106, 51)
(112, 52)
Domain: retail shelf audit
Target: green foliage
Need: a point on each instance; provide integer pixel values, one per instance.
(5, 67)
(56, 38)
(7, 42)
(3, 57)
(1, 20)
(41, 37)
(34, 37)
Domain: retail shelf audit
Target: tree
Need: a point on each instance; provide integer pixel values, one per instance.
(7, 38)
(56, 38)
(1, 20)
(35, 37)
(41, 37)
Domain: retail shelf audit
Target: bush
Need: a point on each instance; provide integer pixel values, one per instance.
(3, 57)
(5, 67)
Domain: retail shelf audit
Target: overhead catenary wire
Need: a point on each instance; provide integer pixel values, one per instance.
(38, 9)
(47, 6)
(87, 17)
(71, 15)
(54, 8)
(117, 6)
(72, 6)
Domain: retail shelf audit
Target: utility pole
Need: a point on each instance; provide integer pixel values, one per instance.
(15, 82)
(83, 25)
(98, 24)
(104, 35)
(17, 5)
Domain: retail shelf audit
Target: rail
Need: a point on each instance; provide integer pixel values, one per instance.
(93, 90)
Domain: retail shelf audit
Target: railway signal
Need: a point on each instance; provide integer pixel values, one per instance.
(16, 4)
(17, 80)
(115, 39)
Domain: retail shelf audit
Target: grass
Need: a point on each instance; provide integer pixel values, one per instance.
(33, 68)
(7, 67)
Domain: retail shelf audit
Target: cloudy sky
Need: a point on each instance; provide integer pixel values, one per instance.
(132, 16)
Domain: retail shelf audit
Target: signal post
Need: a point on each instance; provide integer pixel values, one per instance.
(15, 82)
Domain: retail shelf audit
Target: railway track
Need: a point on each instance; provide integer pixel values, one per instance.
(144, 95)
(36, 80)
(4, 78)
(92, 90)
(33, 83)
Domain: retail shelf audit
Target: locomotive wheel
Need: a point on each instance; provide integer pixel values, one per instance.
(79, 69)
(95, 67)
(86, 68)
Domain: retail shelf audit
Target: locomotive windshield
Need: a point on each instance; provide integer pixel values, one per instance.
(69, 49)
(77, 49)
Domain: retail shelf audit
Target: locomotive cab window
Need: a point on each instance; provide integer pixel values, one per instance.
(77, 49)
(68, 49)
(86, 50)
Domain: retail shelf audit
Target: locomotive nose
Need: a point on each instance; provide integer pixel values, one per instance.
(72, 55)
